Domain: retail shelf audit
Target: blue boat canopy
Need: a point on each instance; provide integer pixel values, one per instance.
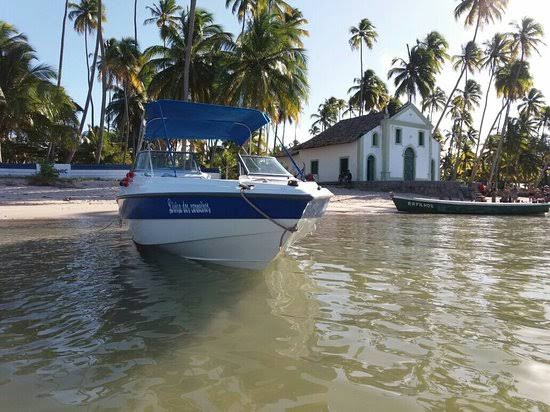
(175, 119)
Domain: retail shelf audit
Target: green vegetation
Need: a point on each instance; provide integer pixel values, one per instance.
(46, 176)
(265, 67)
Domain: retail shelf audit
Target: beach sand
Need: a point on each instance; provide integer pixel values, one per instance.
(89, 198)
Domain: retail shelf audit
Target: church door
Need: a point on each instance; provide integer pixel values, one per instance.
(408, 165)
(370, 168)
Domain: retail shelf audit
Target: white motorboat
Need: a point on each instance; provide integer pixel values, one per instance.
(168, 202)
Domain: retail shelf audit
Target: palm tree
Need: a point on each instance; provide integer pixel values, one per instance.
(126, 109)
(168, 64)
(326, 116)
(62, 47)
(434, 102)
(512, 82)
(22, 82)
(85, 17)
(532, 104)
(466, 101)
(55, 117)
(338, 105)
(496, 54)
(351, 109)
(415, 75)
(544, 120)
(190, 32)
(371, 91)
(314, 130)
(527, 38)
(478, 13)
(516, 144)
(393, 106)
(165, 16)
(103, 75)
(267, 67)
(279, 7)
(241, 8)
(365, 32)
(436, 46)
(122, 62)
(470, 59)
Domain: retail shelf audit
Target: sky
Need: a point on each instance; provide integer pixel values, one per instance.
(332, 64)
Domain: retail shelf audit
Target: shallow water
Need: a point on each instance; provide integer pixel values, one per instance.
(389, 312)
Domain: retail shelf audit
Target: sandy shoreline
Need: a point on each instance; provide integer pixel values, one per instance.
(89, 198)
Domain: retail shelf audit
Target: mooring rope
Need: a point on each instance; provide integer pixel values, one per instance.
(265, 215)
(101, 229)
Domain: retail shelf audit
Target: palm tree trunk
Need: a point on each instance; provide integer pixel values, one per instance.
(457, 82)
(361, 79)
(135, 22)
(88, 72)
(450, 153)
(275, 137)
(479, 159)
(260, 141)
(444, 111)
(284, 130)
(476, 163)
(500, 141)
(454, 165)
(485, 108)
(2, 137)
(126, 119)
(59, 69)
(71, 154)
(409, 92)
(460, 130)
(62, 48)
(103, 90)
(191, 22)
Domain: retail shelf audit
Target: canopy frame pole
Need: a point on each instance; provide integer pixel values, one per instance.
(249, 135)
(300, 172)
(170, 153)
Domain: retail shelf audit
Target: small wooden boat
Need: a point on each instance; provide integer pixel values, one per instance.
(425, 205)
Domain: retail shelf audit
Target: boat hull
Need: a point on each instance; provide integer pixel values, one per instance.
(433, 206)
(241, 243)
(222, 229)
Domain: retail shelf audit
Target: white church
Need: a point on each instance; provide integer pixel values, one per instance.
(373, 147)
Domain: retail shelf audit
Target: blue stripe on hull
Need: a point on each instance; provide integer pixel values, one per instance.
(219, 207)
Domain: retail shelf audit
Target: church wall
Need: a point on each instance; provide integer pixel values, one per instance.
(369, 149)
(409, 138)
(329, 160)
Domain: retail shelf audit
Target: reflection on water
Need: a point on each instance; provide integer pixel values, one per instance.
(388, 312)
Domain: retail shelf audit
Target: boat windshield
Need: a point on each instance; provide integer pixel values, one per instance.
(157, 160)
(262, 165)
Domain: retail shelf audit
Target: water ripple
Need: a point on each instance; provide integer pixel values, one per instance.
(391, 311)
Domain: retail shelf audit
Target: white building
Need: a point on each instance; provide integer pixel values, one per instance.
(373, 147)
